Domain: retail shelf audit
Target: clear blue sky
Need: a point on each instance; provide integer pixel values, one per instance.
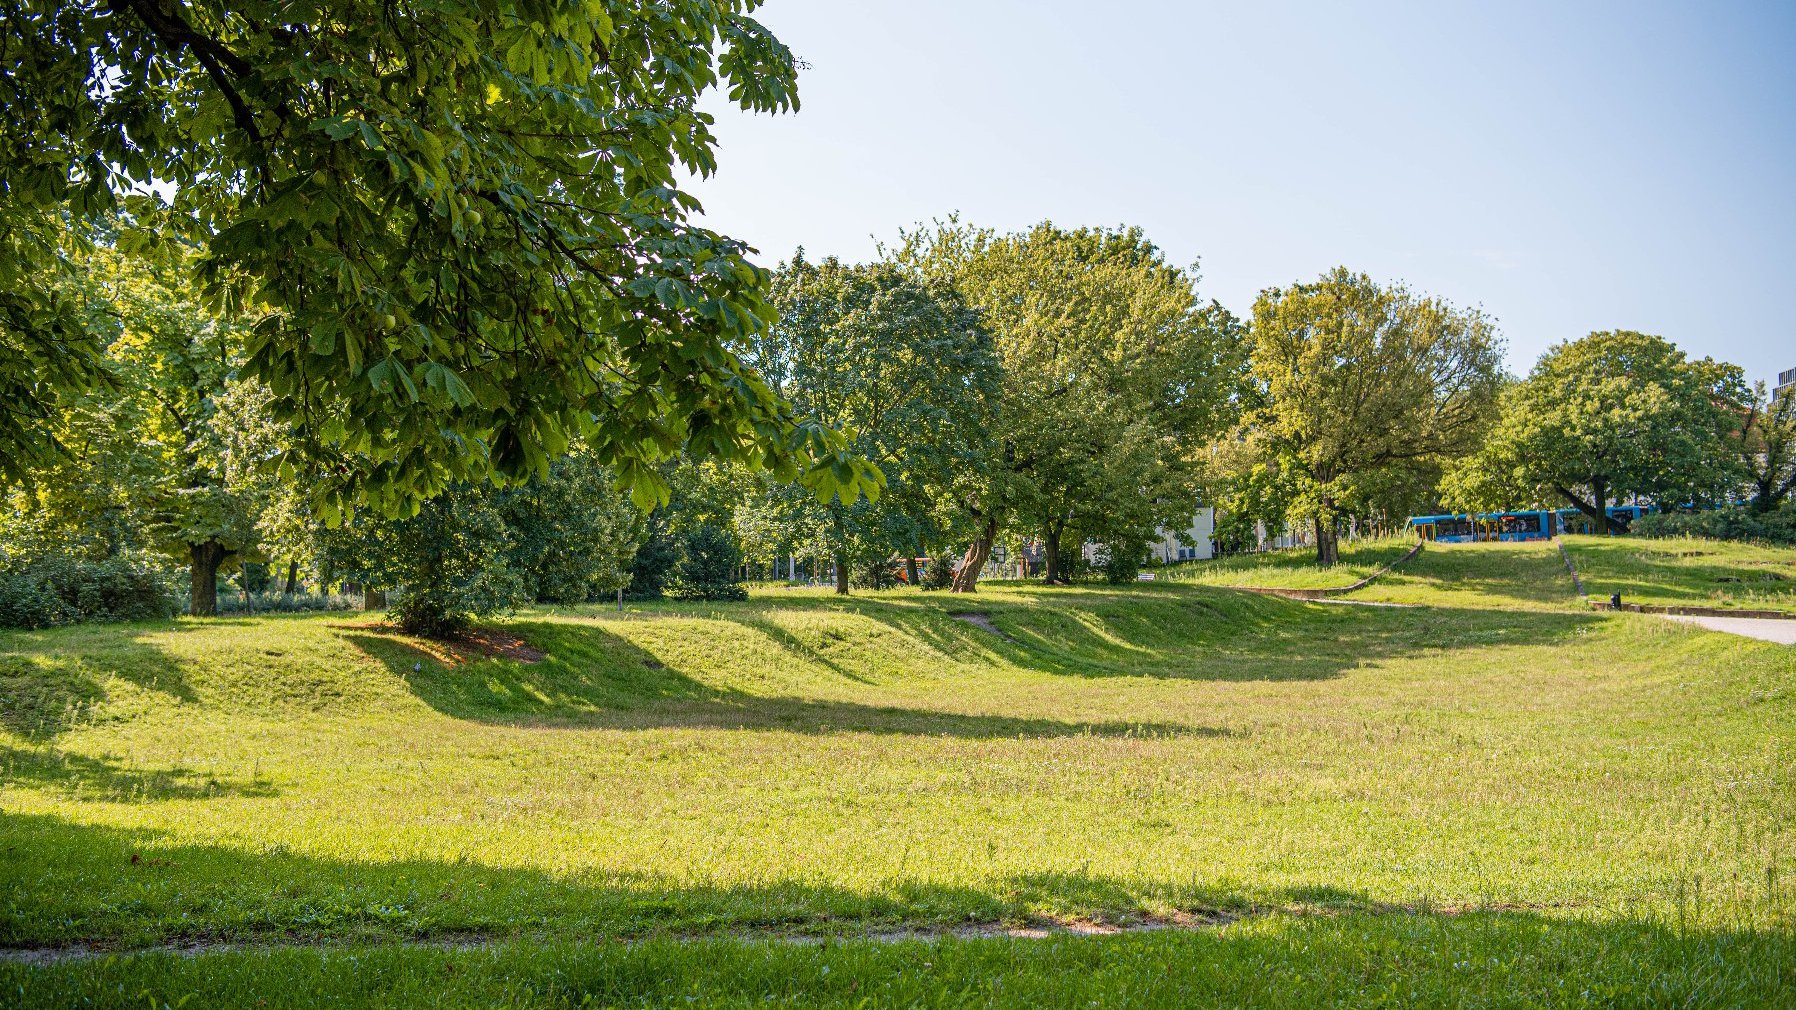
(1568, 167)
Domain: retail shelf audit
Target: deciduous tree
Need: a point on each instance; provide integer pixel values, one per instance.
(902, 366)
(467, 217)
(1112, 372)
(1356, 381)
(1612, 415)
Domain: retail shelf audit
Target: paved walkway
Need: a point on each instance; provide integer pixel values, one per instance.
(1782, 632)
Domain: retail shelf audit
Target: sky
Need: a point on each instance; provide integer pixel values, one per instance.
(1564, 167)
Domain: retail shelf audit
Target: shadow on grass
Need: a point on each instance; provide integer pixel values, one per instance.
(506, 932)
(1662, 571)
(592, 675)
(91, 778)
(1528, 576)
(593, 678)
(51, 680)
(76, 883)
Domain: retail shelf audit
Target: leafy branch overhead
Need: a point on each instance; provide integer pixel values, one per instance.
(465, 220)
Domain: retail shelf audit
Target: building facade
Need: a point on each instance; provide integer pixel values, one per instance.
(1169, 549)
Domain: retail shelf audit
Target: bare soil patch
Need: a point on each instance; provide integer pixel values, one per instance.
(984, 622)
(467, 647)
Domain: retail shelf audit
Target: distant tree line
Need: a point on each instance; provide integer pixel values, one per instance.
(1052, 388)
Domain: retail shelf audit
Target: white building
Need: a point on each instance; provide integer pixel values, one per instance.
(1168, 548)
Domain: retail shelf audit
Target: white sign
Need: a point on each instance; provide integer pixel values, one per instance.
(1144, 576)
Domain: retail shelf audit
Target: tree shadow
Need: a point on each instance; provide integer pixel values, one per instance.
(52, 680)
(100, 780)
(1661, 571)
(1529, 577)
(593, 678)
(119, 890)
(1198, 633)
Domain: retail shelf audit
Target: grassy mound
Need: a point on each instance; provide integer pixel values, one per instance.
(1687, 571)
(1294, 568)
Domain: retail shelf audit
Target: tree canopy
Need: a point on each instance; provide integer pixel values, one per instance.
(1614, 414)
(1112, 369)
(464, 219)
(1357, 387)
(902, 366)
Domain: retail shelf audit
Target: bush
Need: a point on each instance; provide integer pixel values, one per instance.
(63, 590)
(444, 567)
(878, 573)
(653, 566)
(940, 573)
(1122, 562)
(709, 567)
(1777, 527)
(274, 602)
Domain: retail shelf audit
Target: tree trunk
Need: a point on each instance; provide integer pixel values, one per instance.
(205, 559)
(374, 599)
(910, 566)
(1328, 547)
(841, 558)
(1599, 500)
(966, 580)
(292, 578)
(1053, 571)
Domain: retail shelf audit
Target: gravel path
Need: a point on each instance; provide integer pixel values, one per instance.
(1781, 632)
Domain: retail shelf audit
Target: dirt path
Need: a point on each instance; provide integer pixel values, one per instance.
(971, 931)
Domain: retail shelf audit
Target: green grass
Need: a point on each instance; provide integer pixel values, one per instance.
(1482, 960)
(1294, 568)
(1687, 571)
(1336, 781)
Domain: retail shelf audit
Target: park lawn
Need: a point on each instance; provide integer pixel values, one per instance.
(1488, 576)
(1687, 571)
(1293, 568)
(1486, 960)
(1325, 781)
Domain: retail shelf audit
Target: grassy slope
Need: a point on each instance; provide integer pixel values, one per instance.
(1710, 573)
(808, 764)
(1294, 568)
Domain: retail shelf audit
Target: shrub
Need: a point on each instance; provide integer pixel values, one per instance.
(875, 573)
(653, 566)
(940, 573)
(444, 567)
(274, 602)
(1122, 562)
(58, 589)
(1777, 527)
(709, 567)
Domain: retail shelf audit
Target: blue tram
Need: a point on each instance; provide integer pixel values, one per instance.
(1526, 524)
(1460, 528)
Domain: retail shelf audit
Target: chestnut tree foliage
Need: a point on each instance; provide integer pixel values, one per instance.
(462, 224)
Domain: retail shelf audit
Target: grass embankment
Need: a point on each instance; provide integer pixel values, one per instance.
(1686, 571)
(1572, 794)
(1294, 568)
